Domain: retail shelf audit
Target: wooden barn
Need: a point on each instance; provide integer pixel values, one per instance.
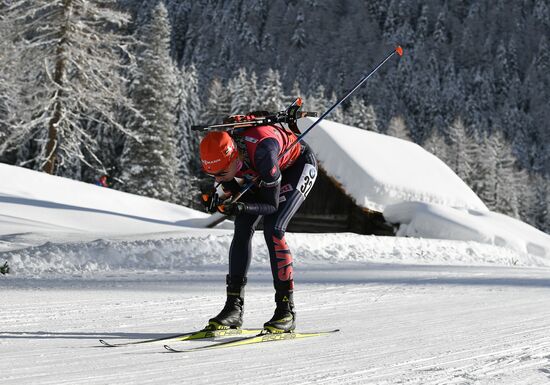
(329, 209)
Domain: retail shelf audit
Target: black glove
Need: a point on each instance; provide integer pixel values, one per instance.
(211, 202)
(232, 208)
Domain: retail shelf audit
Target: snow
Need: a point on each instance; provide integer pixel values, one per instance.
(70, 227)
(89, 262)
(38, 202)
(399, 324)
(378, 170)
(436, 221)
(414, 189)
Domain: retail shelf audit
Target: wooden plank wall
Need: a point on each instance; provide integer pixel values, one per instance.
(329, 209)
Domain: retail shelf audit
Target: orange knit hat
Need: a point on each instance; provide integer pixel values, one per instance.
(217, 150)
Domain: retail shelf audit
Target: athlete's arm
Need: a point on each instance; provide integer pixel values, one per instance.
(267, 165)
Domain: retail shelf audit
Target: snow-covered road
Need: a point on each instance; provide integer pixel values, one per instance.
(399, 324)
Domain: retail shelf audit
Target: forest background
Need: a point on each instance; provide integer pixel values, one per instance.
(112, 87)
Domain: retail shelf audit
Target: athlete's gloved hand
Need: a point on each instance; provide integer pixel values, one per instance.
(232, 208)
(211, 201)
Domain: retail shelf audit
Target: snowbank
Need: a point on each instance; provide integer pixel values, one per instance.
(435, 221)
(379, 170)
(33, 201)
(206, 249)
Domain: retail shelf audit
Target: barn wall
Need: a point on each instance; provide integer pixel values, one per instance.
(329, 209)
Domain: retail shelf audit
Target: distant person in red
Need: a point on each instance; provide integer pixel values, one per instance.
(280, 187)
(102, 181)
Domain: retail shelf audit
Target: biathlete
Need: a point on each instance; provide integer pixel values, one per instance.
(281, 185)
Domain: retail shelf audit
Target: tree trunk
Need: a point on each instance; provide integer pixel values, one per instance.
(58, 77)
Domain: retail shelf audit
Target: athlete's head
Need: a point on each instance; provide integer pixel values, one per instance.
(219, 156)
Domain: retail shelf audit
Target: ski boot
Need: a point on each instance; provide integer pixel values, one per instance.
(231, 316)
(284, 319)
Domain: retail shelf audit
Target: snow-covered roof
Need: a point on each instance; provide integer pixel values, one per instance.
(379, 170)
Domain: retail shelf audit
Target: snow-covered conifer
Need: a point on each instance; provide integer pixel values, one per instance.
(460, 151)
(218, 103)
(392, 20)
(436, 144)
(398, 129)
(316, 100)
(271, 95)
(337, 115)
(243, 91)
(422, 24)
(540, 205)
(296, 92)
(440, 31)
(541, 11)
(8, 91)
(71, 55)
(150, 165)
(405, 34)
(298, 38)
(188, 112)
(361, 115)
(502, 194)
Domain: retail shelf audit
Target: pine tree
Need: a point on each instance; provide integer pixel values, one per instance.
(452, 94)
(391, 21)
(271, 95)
(431, 115)
(243, 91)
(541, 11)
(70, 57)
(218, 104)
(337, 115)
(298, 38)
(398, 129)
(370, 119)
(150, 166)
(503, 192)
(485, 169)
(404, 35)
(479, 99)
(361, 115)
(8, 91)
(435, 144)
(440, 31)
(460, 150)
(538, 85)
(316, 101)
(422, 25)
(379, 9)
(296, 92)
(188, 112)
(540, 205)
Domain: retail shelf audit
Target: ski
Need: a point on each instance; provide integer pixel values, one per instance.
(196, 335)
(263, 336)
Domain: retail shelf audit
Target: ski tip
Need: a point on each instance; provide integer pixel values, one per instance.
(105, 343)
(399, 50)
(167, 347)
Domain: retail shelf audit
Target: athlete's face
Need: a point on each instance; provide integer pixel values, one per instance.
(227, 173)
